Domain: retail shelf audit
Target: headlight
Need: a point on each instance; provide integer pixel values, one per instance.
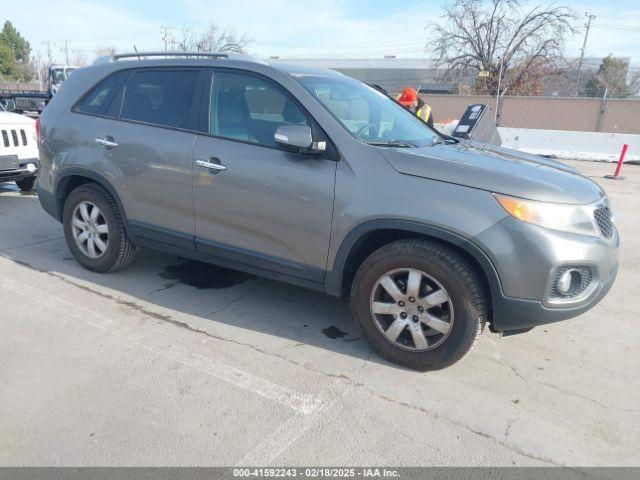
(557, 216)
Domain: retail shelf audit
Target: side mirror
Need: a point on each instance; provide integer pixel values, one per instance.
(298, 138)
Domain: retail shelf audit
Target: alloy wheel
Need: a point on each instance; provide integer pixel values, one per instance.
(90, 230)
(411, 309)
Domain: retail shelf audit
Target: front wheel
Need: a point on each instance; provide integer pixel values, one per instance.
(419, 304)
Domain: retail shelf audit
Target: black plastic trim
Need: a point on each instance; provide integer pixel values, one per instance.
(141, 231)
(261, 261)
(96, 177)
(47, 201)
(333, 282)
(185, 245)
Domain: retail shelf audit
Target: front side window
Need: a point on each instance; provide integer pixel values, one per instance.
(98, 100)
(161, 97)
(250, 109)
(366, 113)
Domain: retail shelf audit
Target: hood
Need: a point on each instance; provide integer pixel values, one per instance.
(498, 170)
(10, 118)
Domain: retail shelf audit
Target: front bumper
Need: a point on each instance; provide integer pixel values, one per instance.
(22, 171)
(526, 257)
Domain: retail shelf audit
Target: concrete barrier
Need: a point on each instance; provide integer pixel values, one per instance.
(572, 145)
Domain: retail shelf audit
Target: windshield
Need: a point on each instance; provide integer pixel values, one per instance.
(61, 74)
(368, 114)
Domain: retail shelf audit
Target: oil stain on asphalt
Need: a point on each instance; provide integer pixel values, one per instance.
(334, 332)
(203, 275)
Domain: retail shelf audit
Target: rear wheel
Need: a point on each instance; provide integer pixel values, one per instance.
(419, 304)
(26, 184)
(94, 230)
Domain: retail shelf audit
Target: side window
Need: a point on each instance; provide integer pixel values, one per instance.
(98, 100)
(247, 108)
(162, 97)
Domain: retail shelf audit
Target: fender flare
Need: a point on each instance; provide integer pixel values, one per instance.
(64, 175)
(334, 277)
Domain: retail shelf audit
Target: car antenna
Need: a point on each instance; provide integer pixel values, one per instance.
(136, 50)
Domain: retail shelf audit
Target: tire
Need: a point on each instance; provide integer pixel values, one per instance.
(120, 250)
(26, 184)
(459, 320)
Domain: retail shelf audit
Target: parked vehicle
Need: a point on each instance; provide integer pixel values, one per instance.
(18, 150)
(23, 101)
(307, 176)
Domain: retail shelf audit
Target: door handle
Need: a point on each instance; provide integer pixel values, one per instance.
(106, 143)
(217, 167)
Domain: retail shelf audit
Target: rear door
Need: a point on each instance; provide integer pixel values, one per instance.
(149, 148)
(268, 208)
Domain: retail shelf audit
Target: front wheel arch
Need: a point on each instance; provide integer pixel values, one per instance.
(367, 237)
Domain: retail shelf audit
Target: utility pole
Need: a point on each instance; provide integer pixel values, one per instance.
(590, 18)
(498, 96)
(39, 72)
(165, 36)
(49, 58)
(66, 52)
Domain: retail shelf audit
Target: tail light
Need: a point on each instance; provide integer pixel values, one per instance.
(38, 130)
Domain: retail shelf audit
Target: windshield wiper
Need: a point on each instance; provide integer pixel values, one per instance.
(392, 143)
(442, 141)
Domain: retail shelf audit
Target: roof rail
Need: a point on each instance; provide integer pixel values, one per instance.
(140, 55)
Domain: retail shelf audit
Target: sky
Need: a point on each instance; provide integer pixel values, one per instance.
(285, 28)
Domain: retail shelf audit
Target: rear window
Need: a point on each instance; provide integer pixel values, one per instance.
(161, 97)
(99, 99)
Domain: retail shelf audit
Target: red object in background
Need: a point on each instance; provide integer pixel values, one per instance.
(38, 130)
(616, 175)
(621, 161)
(407, 97)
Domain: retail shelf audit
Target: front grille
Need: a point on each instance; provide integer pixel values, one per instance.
(14, 135)
(24, 137)
(581, 280)
(603, 219)
(5, 138)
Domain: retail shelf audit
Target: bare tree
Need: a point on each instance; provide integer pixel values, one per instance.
(501, 38)
(78, 58)
(215, 39)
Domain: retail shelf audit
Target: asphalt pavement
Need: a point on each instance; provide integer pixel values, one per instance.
(174, 363)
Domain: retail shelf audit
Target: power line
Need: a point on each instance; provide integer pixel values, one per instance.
(624, 28)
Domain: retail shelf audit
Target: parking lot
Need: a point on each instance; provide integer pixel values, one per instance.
(173, 362)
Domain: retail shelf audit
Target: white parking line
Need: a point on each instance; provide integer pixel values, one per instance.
(276, 443)
(304, 404)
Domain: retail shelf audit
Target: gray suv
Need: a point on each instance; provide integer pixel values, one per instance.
(310, 177)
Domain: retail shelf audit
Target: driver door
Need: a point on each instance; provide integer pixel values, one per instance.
(260, 205)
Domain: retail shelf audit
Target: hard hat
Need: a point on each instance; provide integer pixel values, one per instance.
(408, 97)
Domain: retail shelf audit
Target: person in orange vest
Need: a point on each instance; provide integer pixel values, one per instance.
(410, 100)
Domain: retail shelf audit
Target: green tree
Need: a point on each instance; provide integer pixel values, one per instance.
(7, 61)
(15, 52)
(611, 78)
